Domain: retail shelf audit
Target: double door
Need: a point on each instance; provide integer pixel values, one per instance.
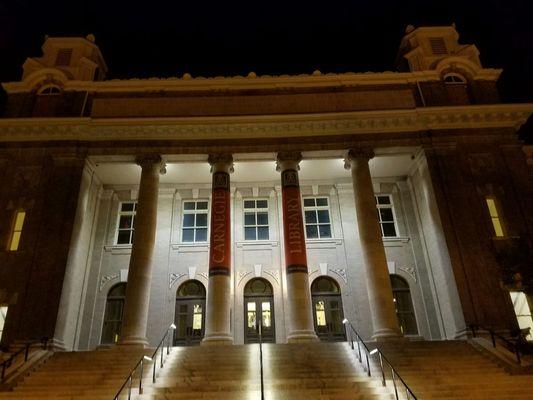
(190, 321)
(259, 313)
(328, 316)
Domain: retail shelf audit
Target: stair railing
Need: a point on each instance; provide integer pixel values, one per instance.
(128, 382)
(514, 346)
(260, 331)
(25, 349)
(362, 347)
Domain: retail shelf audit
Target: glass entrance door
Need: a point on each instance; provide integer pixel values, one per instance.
(328, 318)
(259, 311)
(190, 318)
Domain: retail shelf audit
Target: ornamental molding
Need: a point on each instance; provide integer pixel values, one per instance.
(242, 274)
(265, 126)
(409, 271)
(173, 278)
(274, 273)
(105, 279)
(342, 273)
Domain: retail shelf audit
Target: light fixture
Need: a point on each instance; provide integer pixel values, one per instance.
(345, 321)
(372, 352)
(172, 326)
(146, 358)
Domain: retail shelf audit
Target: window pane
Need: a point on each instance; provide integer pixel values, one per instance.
(388, 229)
(201, 235)
(249, 218)
(249, 203)
(266, 317)
(125, 222)
(320, 313)
(325, 231)
(114, 310)
(492, 208)
(19, 221)
(310, 217)
(309, 202)
(262, 218)
(188, 205)
(188, 220)
(383, 199)
(249, 234)
(311, 231)
(123, 237)
(262, 233)
(201, 219)
(197, 317)
(127, 206)
(322, 202)
(15, 240)
(323, 216)
(201, 205)
(497, 227)
(188, 235)
(386, 214)
(262, 204)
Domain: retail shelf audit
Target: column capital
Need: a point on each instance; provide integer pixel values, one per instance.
(361, 153)
(221, 162)
(288, 160)
(148, 160)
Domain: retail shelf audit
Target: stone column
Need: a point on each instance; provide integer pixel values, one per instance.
(218, 313)
(140, 271)
(301, 326)
(384, 321)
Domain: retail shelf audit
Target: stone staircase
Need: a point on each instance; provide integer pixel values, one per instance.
(455, 370)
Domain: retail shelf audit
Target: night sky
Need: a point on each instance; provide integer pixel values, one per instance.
(210, 38)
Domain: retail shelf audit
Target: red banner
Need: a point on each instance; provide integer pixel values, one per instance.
(220, 238)
(293, 226)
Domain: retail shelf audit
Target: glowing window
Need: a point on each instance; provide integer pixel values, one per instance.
(495, 217)
(387, 221)
(256, 220)
(3, 314)
(126, 222)
(320, 313)
(251, 315)
(17, 231)
(194, 227)
(114, 312)
(454, 79)
(317, 221)
(197, 317)
(523, 313)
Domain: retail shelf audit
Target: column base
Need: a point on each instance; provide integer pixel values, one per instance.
(302, 337)
(133, 341)
(217, 340)
(385, 335)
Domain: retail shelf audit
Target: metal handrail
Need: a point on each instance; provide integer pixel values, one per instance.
(26, 350)
(515, 346)
(260, 330)
(140, 364)
(394, 373)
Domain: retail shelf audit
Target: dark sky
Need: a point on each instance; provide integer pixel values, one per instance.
(209, 38)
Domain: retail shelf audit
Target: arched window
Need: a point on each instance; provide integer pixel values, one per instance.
(190, 313)
(259, 311)
(327, 309)
(50, 90)
(453, 78)
(325, 285)
(404, 305)
(114, 310)
(258, 287)
(192, 288)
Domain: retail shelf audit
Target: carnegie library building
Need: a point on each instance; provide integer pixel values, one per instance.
(266, 223)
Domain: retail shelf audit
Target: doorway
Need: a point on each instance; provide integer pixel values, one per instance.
(190, 314)
(259, 311)
(327, 309)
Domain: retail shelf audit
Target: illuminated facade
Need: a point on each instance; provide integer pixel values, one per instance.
(294, 201)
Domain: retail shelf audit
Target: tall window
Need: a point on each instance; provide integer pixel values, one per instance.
(255, 219)
(523, 313)
(3, 314)
(494, 216)
(194, 227)
(404, 305)
(317, 221)
(126, 222)
(114, 311)
(386, 215)
(16, 233)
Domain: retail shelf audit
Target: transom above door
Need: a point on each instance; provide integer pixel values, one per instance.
(259, 311)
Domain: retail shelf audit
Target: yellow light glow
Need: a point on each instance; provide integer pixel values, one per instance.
(492, 208)
(495, 217)
(17, 231)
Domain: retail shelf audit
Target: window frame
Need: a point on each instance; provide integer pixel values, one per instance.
(394, 219)
(255, 210)
(317, 224)
(207, 211)
(13, 231)
(121, 213)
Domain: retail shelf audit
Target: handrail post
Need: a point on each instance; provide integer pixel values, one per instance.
(493, 338)
(141, 377)
(359, 351)
(153, 374)
(161, 351)
(382, 371)
(168, 341)
(27, 352)
(394, 383)
(368, 364)
(129, 388)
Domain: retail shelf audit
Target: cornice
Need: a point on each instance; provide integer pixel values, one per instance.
(265, 126)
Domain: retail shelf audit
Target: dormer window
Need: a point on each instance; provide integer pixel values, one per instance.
(63, 57)
(438, 46)
(454, 79)
(50, 91)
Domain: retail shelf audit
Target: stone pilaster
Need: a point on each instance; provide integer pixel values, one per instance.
(301, 327)
(217, 322)
(140, 270)
(384, 321)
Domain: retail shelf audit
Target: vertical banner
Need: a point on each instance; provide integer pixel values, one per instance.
(220, 238)
(293, 226)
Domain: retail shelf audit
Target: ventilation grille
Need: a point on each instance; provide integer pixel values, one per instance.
(438, 46)
(63, 57)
